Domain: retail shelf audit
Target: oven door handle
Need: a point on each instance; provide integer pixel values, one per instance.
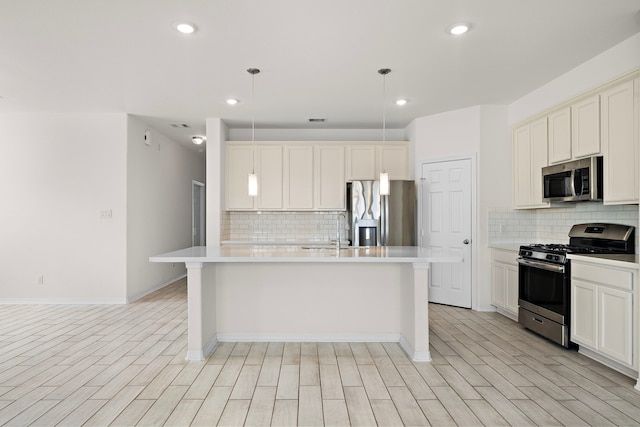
(542, 265)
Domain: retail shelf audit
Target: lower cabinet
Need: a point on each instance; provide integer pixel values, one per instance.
(504, 281)
(602, 315)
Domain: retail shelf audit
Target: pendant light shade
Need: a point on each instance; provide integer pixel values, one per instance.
(253, 184)
(253, 178)
(384, 184)
(385, 188)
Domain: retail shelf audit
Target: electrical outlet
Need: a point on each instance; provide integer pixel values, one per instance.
(106, 214)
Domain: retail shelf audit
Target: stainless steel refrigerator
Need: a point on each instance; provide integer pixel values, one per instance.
(376, 220)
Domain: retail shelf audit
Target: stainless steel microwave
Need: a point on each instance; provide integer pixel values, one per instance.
(573, 181)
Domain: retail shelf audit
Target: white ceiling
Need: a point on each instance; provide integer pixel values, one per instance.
(317, 58)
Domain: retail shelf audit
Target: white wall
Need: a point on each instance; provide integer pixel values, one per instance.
(481, 130)
(57, 173)
(618, 60)
(159, 205)
(217, 134)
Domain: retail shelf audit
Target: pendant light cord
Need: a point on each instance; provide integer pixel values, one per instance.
(253, 72)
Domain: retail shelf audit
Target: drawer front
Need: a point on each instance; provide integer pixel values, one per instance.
(507, 257)
(610, 276)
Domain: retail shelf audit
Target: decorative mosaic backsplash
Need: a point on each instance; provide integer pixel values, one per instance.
(552, 225)
(281, 226)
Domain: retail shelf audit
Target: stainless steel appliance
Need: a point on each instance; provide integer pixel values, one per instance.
(376, 220)
(544, 275)
(573, 181)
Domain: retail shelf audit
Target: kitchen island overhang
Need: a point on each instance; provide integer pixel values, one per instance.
(292, 293)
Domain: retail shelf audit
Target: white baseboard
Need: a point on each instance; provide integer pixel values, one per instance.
(62, 301)
(416, 356)
(155, 288)
(196, 355)
(233, 337)
(630, 372)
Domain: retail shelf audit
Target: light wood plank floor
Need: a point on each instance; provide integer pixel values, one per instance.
(124, 365)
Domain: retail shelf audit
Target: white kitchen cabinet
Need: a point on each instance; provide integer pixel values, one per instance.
(298, 177)
(560, 136)
(239, 164)
(504, 282)
(574, 131)
(584, 308)
(361, 163)
(529, 157)
(585, 127)
(269, 170)
(602, 316)
(394, 159)
(366, 161)
(619, 127)
(329, 182)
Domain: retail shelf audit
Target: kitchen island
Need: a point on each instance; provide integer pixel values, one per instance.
(294, 293)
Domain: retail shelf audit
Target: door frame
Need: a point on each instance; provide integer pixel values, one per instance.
(202, 215)
(474, 217)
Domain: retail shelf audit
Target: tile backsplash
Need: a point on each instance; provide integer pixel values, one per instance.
(281, 226)
(552, 225)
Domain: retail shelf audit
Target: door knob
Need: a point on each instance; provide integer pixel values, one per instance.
(465, 241)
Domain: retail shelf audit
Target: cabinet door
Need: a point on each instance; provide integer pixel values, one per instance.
(511, 288)
(239, 164)
(394, 159)
(269, 177)
(498, 284)
(361, 162)
(585, 127)
(539, 159)
(619, 144)
(615, 326)
(521, 166)
(330, 187)
(298, 177)
(560, 136)
(584, 306)
(529, 157)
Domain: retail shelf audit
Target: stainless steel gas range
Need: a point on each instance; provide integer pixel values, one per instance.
(545, 273)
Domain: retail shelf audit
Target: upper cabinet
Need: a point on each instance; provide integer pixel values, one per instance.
(585, 127)
(269, 170)
(361, 163)
(529, 157)
(329, 183)
(574, 131)
(602, 122)
(239, 163)
(620, 140)
(299, 176)
(560, 136)
(366, 161)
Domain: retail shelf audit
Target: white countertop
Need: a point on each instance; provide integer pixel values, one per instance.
(313, 254)
(615, 260)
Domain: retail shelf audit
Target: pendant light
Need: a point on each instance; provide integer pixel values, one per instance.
(384, 176)
(253, 178)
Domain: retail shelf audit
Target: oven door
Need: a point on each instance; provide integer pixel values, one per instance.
(544, 289)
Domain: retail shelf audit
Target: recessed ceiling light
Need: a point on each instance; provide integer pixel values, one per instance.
(401, 102)
(185, 27)
(232, 101)
(458, 29)
(198, 139)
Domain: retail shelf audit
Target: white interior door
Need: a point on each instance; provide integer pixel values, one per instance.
(446, 228)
